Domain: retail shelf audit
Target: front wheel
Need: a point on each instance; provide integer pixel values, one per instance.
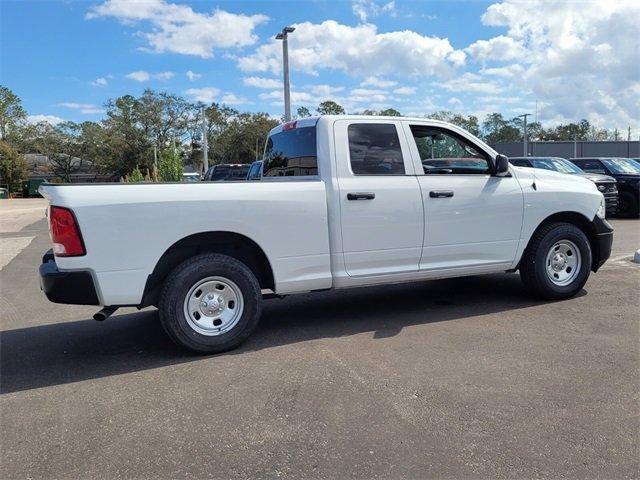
(210, 303)
(557, 261)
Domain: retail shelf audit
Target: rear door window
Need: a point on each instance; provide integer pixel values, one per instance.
(374, 149)
(291, 153)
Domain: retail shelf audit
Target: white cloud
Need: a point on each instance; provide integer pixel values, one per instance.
(363, 9)
(455, 103)
(100, 82)
(377, 82)
(261, 82)
(405, 91)
(164, 76)
(232, 99)
(297, 97)
(368, 95)
(144, 76)
(139, 76)
(51, 119)
(359, 50)
(177, 28)
(498, 48)
(206, 95)
(86, 108)
(580, 58)
(469, 82)
(324, 91)
(192, 75)
(505, 72)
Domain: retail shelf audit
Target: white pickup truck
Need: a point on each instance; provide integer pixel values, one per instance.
(344, 201)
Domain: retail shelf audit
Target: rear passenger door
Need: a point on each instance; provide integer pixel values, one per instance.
(381, 209)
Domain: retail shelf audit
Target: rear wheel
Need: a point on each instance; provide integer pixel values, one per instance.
(557, 262)
(210, 303)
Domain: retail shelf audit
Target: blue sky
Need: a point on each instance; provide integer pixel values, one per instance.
(563, 60)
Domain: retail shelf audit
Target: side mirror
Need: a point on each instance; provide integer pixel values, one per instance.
(502, 164)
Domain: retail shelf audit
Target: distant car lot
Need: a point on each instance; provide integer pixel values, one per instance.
(458, 378)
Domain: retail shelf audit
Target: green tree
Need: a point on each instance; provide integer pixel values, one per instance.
(496, 129)
(13, 167)
(570, 131)
(170, 167)
(469, 123)
(329, 107)
(242, 141)
(135, 176)
(303, 112)
(12, 115)
(126, 142)
(390, 112)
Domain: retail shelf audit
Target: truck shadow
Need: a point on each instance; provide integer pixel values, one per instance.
(68, 352)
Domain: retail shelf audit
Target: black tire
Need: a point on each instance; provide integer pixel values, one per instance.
(628, 205)
(177, 286)
(533, 267)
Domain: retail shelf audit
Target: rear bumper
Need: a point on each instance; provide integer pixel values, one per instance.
(604, 240)
(75, 287)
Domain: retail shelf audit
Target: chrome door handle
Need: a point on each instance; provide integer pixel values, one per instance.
(361, 196)
(441, 193)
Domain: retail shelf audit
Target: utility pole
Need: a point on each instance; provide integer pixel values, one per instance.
(205, 142)
(524, 142)
(155, 162)
(284, 35)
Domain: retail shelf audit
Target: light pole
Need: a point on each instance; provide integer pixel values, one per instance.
(285, 64)
(524, 143)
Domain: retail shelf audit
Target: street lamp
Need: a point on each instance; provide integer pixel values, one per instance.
(285, 62)
(524, 143)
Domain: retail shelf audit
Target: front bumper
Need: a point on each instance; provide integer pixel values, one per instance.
(604, 240)
(75, 287)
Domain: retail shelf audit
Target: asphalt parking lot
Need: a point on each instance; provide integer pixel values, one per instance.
(457, 378)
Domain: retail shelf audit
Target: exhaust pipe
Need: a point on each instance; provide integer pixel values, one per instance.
(105, 313)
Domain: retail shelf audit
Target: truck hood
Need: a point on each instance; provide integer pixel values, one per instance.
(596, 177)
(555, 180)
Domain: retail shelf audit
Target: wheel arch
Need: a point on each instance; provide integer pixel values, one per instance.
(233, 244)
(580, 221)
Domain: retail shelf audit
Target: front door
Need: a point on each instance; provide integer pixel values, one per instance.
(472, 218)
(381, 208)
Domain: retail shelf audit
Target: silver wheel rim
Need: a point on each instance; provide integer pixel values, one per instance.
(563, 263)
(213, 306)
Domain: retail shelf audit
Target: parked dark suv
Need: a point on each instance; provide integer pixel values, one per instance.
(606, 184)
(626, 173)
(226, 172)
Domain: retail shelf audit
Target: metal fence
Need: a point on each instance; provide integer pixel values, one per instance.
(570, 149)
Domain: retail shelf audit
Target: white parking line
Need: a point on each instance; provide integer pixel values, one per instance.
(12, 246)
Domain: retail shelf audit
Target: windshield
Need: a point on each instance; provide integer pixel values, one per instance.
(556, 164)
(620, 165)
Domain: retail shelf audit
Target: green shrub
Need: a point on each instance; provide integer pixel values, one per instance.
(135, 176)
(170, 167)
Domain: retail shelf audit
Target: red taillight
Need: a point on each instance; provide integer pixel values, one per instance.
(67, 241)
